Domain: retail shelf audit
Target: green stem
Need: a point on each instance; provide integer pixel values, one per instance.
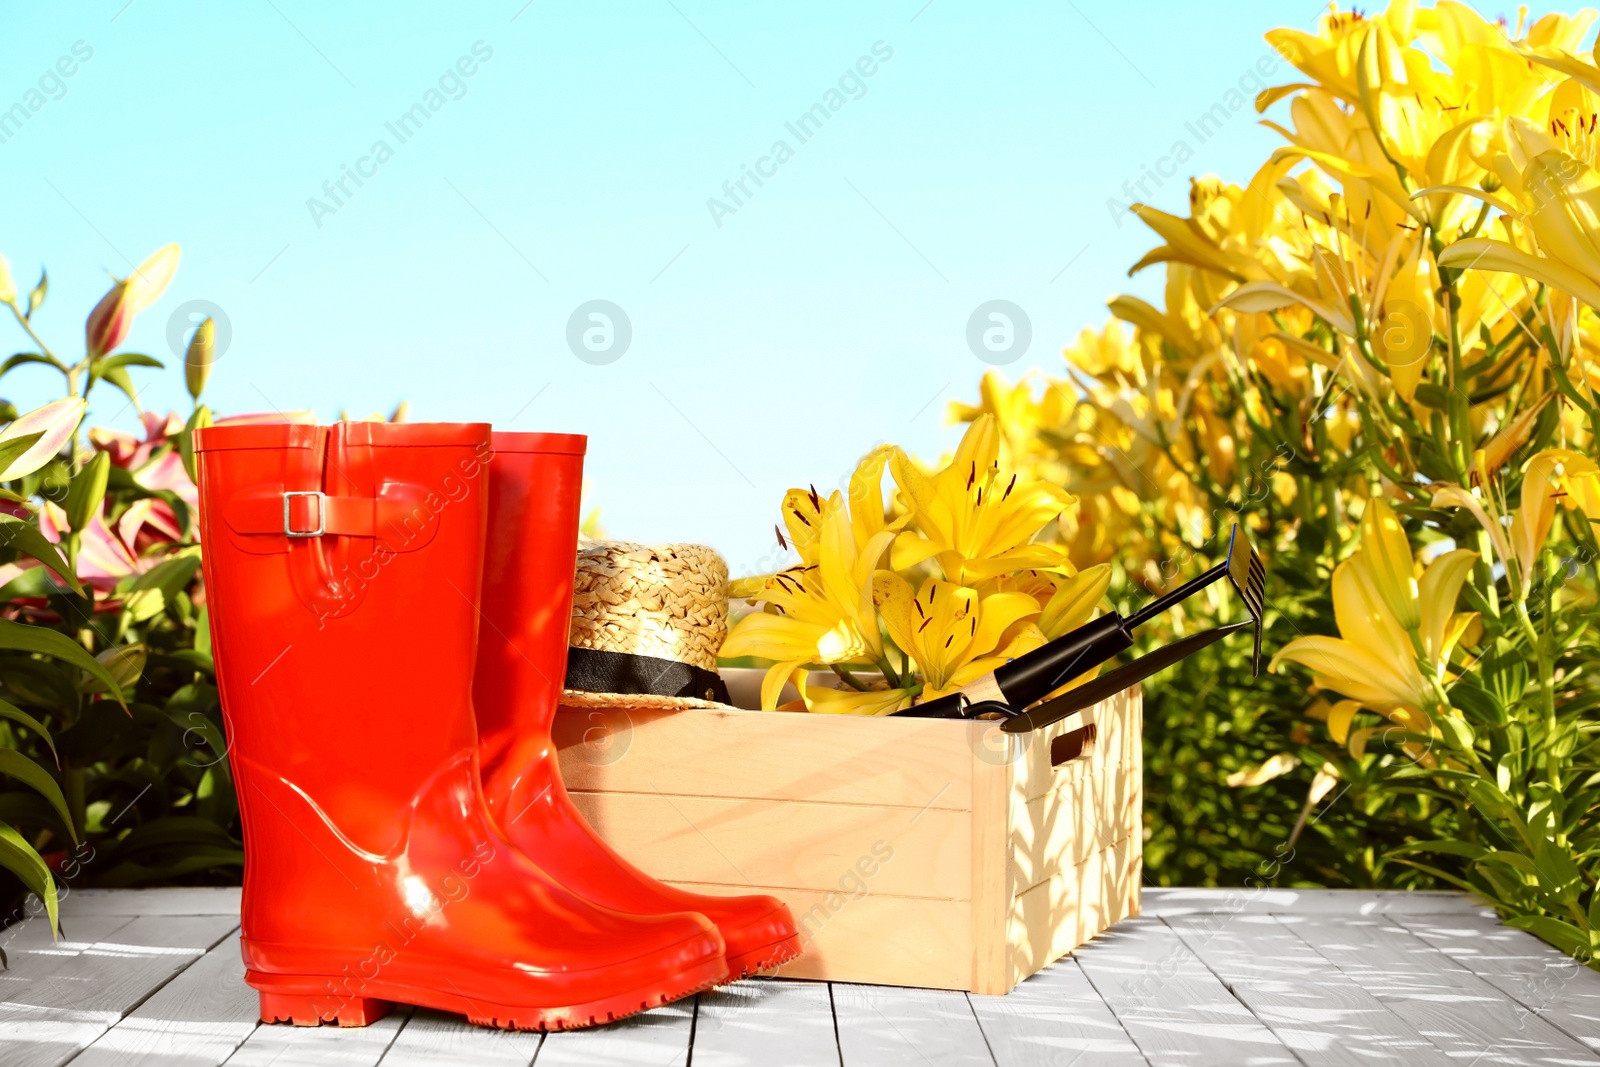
(22, 320)
(1547, 696)
(849, 679)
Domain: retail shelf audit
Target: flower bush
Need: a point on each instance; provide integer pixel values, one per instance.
(110, 731)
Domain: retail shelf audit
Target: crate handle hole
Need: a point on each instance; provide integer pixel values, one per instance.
(1074, 745)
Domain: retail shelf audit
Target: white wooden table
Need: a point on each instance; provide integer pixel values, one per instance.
(1204, 977)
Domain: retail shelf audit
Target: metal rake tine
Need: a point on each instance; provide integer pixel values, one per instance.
(1256, 584)
(1257, 601)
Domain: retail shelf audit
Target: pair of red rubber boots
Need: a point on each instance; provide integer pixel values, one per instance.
(389, 612)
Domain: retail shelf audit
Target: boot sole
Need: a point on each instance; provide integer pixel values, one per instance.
(765, 958)
(302, 1000)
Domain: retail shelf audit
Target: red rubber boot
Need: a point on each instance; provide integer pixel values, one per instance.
(529, 563)
(342, 568)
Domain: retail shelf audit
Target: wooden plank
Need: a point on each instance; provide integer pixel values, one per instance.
(1262, 901)
(787, 844)
(283, 1045)
(1170, 1004)
(874, 937)
(435, 1039)
(1054, 1017)
(1537, 976)
(852, 759)
(766, 1023)
(884, 1026)
(87, 991)
(989, 885)
(42, 1033)
(220, 900)
(1453, 1008)
(1311, 1006)
(195, 1020)
(33, 951)
(1054, 917)
(655, 1038)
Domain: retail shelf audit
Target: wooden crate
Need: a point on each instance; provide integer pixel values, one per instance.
(916, 852)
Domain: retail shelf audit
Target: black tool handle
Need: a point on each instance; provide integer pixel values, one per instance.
(1053, 711)
(1049, 667)
(1029, 677)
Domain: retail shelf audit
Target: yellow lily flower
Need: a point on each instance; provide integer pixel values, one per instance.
(971, 520)
(1331, 55)
(1553, 197)
(822, 612)
(1375, 661)
(1518, 536)
(951, 631)
(885, 701)
(1019, 417)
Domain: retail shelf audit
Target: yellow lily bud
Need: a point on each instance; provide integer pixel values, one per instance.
(197, 361)
(8, 285)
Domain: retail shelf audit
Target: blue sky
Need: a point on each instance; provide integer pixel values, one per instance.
(569, 154)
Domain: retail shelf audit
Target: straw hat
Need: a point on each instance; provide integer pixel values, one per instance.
(647, 621)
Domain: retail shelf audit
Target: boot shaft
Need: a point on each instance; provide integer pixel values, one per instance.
(342, 569)
(531, 549)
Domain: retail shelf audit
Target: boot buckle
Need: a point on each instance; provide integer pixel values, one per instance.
(322, 514)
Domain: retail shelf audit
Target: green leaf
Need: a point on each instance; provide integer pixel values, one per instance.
(172, 831)
(36, 298)
(1456, 732)
(118, 376)
(23, 358)
(1477, 703)
(1494, 803)
(128, 359)
(1446, 846)
(202, 633)
(16, 714)
(26, 538)
(19, 857)
(31, 774)
(24, 638)
(1443, 876)
(198, 728)
(88, 491)
(195, 658)
(1563, 935)
(199, 420)
(1559, 876)
(146, 595)
(1515, 861)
